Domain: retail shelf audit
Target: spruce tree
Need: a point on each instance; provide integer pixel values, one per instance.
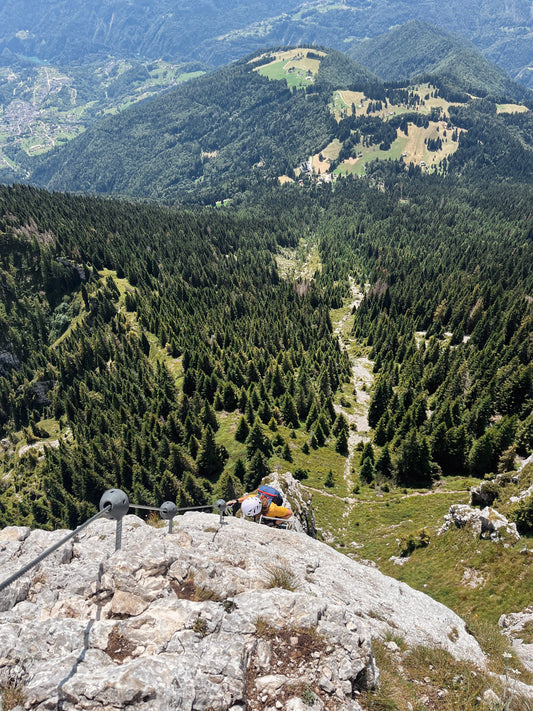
(341, 445)
(243, 430)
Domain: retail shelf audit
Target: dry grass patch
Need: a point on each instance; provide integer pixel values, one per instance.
(280, 576)
(188, 590)
(430, 678)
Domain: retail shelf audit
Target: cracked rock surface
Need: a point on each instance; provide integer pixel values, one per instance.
(232, 616)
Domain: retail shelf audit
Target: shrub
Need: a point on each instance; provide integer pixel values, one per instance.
(300, 473)
(200, 626)
(522, 515)
(413, 540)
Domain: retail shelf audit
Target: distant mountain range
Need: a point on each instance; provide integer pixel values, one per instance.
(290, 113)
(417, 48)
(80, 31)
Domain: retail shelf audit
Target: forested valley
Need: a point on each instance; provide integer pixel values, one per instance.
(163, 351)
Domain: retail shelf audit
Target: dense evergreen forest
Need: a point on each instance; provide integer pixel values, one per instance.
(131, 334)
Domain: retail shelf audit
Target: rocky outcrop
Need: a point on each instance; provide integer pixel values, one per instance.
(217, 616)
(518, 627)
(8, 362)
(487, 523)
(298, 499)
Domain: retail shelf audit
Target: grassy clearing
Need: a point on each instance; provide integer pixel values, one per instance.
(321, 162)
(412, 148)
(300, 263)
(294, 66)
(511, 108)
(470, 576)
(415, 679)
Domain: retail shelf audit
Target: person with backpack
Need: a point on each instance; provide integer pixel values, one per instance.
(270, 500)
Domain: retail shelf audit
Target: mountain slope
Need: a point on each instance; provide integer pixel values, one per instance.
(265, 116)
(70, 32)
(223, 126)
(416, 48)
(78, 31)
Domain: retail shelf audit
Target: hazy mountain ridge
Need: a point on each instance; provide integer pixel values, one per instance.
(45, 105)
(417, 48)
(203, 32)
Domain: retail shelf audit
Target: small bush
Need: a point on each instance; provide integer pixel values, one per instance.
(300, 473)
(522, 515)
(200, 626)
(414, 540)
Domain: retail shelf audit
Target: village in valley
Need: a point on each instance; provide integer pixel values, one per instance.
(43, 106)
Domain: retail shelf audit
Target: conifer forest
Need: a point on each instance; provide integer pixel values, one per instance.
(164, 351)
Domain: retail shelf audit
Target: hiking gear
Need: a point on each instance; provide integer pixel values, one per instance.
(271, 494)
(251, 506)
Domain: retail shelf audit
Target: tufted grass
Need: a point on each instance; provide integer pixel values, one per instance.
(280, 576)
(11, 696)
(419, 678)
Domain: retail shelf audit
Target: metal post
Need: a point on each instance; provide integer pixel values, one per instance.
(117, 504)
(167, 511)
(118, 535)
(221, 506)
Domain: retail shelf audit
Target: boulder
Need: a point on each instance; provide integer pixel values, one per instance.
(517, 627)
(484, 523)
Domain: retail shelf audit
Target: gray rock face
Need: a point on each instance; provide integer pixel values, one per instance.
(8, 362)
(210, 617)
(516, 626)
(487, 523)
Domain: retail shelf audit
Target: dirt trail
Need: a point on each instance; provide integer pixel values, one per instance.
(362, 379)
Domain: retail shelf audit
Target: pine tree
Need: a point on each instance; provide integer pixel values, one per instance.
(240, 470)
(228, 487)
(414, 461)
(341, 445)
(243, 430)
(384, 463)
(368, 452)
(211, 457)
(257, 441)
(367, 470)
(379, 401)
(167, 487)
(257, 470)
(208, 417)
(287, 454)
(288, 411)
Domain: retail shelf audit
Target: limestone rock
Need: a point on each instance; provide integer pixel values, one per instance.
(191, 620)
(487, 523)
(514, 627)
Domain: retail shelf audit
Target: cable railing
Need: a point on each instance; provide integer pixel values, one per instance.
(114, 505)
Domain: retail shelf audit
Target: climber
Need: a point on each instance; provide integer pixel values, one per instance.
(262, 505)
